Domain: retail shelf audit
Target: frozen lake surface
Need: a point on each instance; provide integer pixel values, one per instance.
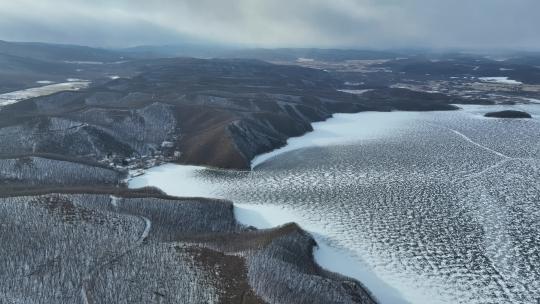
(14, 97)
(444, 207)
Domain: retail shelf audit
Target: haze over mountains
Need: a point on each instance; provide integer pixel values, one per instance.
(482, 24)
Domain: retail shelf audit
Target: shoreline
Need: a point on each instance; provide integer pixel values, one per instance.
(181, 180)
(337, 260)
(324, 132)
(332, 259)
(337, 129)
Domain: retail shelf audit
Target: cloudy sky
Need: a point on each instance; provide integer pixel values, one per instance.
(513, 24)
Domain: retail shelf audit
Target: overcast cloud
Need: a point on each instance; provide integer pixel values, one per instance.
(277, 23)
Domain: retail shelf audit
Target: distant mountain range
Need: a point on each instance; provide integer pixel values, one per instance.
(58, 52)
(282, 54)
(75, 53)
(22, 64)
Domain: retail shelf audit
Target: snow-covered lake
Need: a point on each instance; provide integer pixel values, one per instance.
(14, 97)
(438, 207)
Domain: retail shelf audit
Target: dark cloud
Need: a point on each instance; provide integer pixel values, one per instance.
(272, 23)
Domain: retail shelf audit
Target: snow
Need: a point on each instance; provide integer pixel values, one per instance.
(83, 295)
(84, 62)
(181, 181)
(147, 227)
(341, 128)
(353, 83)
(175, 180)
(184, 181)
(503, 80)
(465, 137)
(332, 259)
(327, 229)
(355, 92)
(114, 201)
(14, 97)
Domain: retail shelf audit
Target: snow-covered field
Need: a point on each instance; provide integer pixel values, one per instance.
(504, 80)
(85, 62)
(175, 180)
(14, 97)
(355, 92)
(441, 206)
